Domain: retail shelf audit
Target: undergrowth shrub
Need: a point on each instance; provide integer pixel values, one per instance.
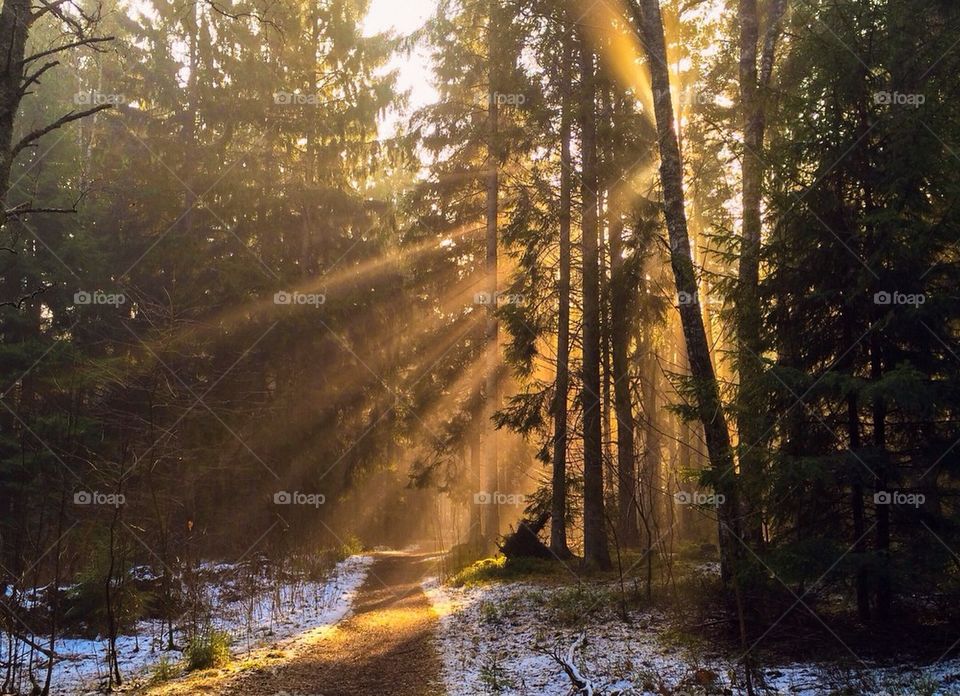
(206, 650)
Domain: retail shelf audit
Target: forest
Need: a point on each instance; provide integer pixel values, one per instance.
(428, 347)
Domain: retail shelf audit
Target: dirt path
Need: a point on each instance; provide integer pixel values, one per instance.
(385, 647)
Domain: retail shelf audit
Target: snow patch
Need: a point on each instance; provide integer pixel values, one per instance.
(286, 615)
(505, 638)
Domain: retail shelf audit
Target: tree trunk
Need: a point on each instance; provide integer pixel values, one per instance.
(15, 21)
(749, 428)
(558, 503)
(475, 533)
(754, 82)
(620, 310)
(492, 522)
(596, 552)
(884, 593)
(707, 391)
(862, 580)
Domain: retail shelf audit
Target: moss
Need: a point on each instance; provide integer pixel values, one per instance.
(499, 568)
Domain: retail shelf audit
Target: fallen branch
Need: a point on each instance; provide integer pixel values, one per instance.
(42, 649)
(581, 684)
(10, 616)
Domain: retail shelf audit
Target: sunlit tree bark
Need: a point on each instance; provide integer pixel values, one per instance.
(558, 503)
(492, 524)
(707, 391)
(755, 72)
(594, 529)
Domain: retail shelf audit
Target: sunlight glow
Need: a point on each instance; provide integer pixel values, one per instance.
(414, 71)
(619, 50)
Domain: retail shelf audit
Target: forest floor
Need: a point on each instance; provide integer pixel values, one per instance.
(386, 646)
(529, 635)
(537, 632)
(263, 608)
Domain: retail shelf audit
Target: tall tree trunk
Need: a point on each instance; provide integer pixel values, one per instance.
(707, 391)
(685, 439)
(596, 552)
(884, 594)
(862, 580)
(475, 533)
(558, 503)
(620, 309)
(606, 378)
(15, 21)
(651, 471)
(749, 428)
(492, 526)
(754, 82)
(190, 114)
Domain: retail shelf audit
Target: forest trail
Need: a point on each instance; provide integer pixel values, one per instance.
(386, 645)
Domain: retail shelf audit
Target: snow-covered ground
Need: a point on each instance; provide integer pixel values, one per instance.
(273, 616)
(507, 638)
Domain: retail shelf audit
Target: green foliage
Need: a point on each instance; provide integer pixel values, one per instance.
(243, 161)
(572, 606)
(87, 599)
(209, 188)
(207, 650)
(494, 676)
(163, 671)
(351, 546)
(859, 298)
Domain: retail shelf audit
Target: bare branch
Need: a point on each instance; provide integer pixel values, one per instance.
(26, 208)
(26, 298)
(20, 212)
(259, 18)
(35, 76)
(90, 41)
(47, 7)
(60, 122)
(54, 9)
